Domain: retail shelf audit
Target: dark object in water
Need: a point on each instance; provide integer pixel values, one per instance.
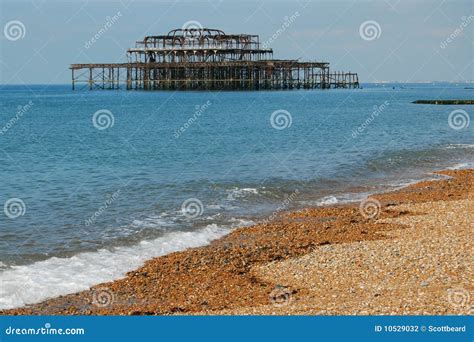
(445, 102)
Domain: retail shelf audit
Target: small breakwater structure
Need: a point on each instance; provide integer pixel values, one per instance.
(207, 59)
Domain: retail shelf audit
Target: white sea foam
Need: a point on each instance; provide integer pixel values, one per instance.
(240, 192)
(221, 207)
(460, 166)
(339, 199)
(328, 200)
(21, 285)
(407, 182)
(238, 222)
(451, 146)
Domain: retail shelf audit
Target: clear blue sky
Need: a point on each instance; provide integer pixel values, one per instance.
(407, 47)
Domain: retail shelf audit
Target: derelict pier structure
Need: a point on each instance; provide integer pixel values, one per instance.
(207, 59)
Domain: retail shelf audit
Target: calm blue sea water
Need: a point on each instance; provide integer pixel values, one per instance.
(96, 199)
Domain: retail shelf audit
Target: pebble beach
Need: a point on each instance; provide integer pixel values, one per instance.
(405, 252)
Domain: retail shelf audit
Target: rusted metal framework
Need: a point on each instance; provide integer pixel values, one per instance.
(207, 59)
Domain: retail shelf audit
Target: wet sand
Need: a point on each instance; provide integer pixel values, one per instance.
(405, 252)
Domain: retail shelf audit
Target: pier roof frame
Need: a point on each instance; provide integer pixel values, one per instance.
(205, 37)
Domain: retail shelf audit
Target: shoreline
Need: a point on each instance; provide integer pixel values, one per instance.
(232, 274)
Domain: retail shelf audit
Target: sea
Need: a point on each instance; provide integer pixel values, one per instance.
(93, 183)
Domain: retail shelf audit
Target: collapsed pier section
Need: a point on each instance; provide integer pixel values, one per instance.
(207, 59)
